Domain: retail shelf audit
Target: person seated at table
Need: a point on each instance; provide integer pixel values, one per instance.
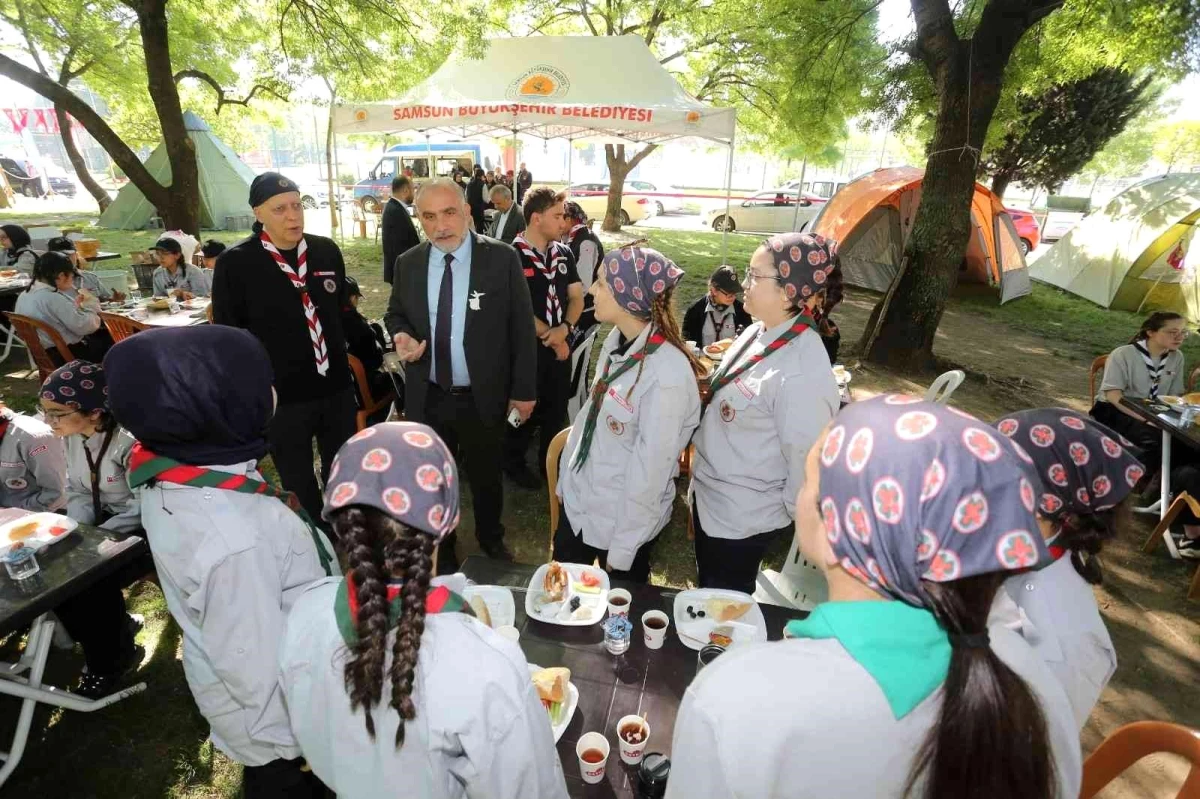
(897, 685)
(771, 395)
(52, 298)
(209, 252)
(17, 249)
(1148, 367)
(365, 341)
(84, 277)
(173, 276)
(719, 314)
(232, 555)
(1086, 479)
(388, 678)
(616, 474)
(97, 492)
(33, 464)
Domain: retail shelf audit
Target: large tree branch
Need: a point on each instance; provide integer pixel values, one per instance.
(222, 98)
(937, 40)
(23, 25)
(583, 10)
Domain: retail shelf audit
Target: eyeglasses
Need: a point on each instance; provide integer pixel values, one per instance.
(752, 276)
(55, 416)
(1180, 334)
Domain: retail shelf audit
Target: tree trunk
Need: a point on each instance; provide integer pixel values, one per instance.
(1000, 182)
(618, 170)
(120, 153)
(182, 209)
(76, 159)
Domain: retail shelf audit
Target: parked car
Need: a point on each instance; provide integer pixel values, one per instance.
(60, 184)
(1059, 224)
(593, 199)
(765, 212)
(662, 204)
(17, 173)
(317, 195)
(816, 189)
(1027, 228)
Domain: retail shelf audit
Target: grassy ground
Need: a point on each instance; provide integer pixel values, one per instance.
(1031, 352)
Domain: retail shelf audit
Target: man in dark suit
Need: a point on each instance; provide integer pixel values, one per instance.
(399, 233)
(524, 181)
(462, 320)
(509, 219)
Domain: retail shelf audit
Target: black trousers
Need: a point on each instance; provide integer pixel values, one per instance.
(728, 563)
(1145, 437)
(330, 421)
(92, 348)
(476, 444)
(97, 620)
(570, 548)
(549, 415)
(282, 779)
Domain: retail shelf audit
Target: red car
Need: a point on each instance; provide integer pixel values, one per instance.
(1027, 228)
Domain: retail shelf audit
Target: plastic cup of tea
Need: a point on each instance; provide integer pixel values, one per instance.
(633, 727)
(21, 563)
(509, 632)
(654, 628)
(708, 653)
(619, 602)
(592, 751)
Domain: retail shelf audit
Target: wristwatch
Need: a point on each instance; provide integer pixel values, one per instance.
(570, 327)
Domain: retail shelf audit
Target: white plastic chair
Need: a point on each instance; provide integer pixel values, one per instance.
(941, 389)
(581, 359)
(801, 584)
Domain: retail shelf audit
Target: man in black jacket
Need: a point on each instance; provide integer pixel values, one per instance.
(510, 217)
(524, 181)
(477, 200)
(287, 288)
(461, 318)
(399, 233)
(719, 314)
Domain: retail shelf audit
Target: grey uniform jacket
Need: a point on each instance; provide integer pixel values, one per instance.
(116, 499)
(194, 281)
(33, 465)
(57, 309)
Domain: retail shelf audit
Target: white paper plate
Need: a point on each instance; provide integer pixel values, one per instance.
(45, 530)
(550, 613)
(572, 704)
(499, 601)
(694, 632)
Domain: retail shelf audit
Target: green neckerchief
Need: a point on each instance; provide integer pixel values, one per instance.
(903, 648)
(439, 599)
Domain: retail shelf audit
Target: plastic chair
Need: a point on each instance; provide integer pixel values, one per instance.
(1096, 368)
(941, 389)
(801, 584)
(1162, 532)
(368, 405)
(1191, 381)
(1134, 741)
(581, 359)
(552, 455)
(28, 328)
(121, 327)
(145, 277)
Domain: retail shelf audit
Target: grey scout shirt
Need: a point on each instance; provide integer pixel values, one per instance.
(33, 465)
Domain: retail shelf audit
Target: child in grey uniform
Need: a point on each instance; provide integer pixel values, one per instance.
(84, 279)
(52, 298)
(174, 276)
(15, 248)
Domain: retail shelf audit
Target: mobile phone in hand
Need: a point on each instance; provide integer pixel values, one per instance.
(514, 417)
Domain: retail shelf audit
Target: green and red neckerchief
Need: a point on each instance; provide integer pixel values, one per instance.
(145, 466)
(601, 388)
(440, 599)
(725, 375)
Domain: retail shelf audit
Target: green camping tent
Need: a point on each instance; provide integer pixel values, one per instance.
(224, 183)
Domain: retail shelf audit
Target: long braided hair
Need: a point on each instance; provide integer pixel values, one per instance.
(379, 548)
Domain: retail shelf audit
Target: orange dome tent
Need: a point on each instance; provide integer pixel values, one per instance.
(872, 216)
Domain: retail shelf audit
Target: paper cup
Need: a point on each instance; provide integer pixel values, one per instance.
(592, 773)
(654, 637)
(619, 609)
(509, 632)
(632, 753)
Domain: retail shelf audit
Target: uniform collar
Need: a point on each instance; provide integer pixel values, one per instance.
(634, 346)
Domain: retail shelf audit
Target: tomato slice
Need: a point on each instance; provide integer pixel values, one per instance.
(57, 531)
(589, 579)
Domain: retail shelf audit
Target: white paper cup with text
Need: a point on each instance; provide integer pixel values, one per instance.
(592, 751)
(633, 733)
(619, 602)
(654, 628)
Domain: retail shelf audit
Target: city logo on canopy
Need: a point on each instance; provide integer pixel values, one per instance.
(360, 115)
(540, 82)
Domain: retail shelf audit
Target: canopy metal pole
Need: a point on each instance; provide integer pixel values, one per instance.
(514, 161)
(728, 190)
(429, 157)
(570, 152)
(800, 192)
(337, 188)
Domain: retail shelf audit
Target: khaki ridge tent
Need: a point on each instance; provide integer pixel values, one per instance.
(1135, 253)
(224, 184)
(871, 218)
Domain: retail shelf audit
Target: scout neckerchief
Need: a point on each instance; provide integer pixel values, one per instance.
(721, 323)
(549, 271)
(345, 605)
(173, 279)
(726, 374)
(575, 229)
(1152, 366)
(601, 388)
(94, 468)
(145, 466)
(299, 276)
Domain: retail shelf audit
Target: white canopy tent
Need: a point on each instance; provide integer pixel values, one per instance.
(549, 87)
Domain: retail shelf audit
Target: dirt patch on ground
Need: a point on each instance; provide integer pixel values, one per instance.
(1144, 597)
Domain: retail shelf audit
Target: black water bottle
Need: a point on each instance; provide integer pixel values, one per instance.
(652, 776)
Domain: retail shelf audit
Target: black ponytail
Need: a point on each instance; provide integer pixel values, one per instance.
(378, 548)
(1084, 535)
(990, 739)
(1154, 323)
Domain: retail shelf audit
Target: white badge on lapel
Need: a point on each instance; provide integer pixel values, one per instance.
(473, 302)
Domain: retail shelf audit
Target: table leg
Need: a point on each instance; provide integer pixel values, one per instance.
(39, 643)
(1164, 491)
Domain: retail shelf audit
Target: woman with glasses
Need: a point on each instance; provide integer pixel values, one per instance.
(75, 404)
(771, 396)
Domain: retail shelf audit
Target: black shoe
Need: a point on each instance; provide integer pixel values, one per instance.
(523, 477)
(98, 686)
(497, 551)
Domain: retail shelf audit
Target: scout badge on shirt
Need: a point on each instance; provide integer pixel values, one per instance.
(17, 483)
(330, 286)
(615, 427)
(727, 411)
